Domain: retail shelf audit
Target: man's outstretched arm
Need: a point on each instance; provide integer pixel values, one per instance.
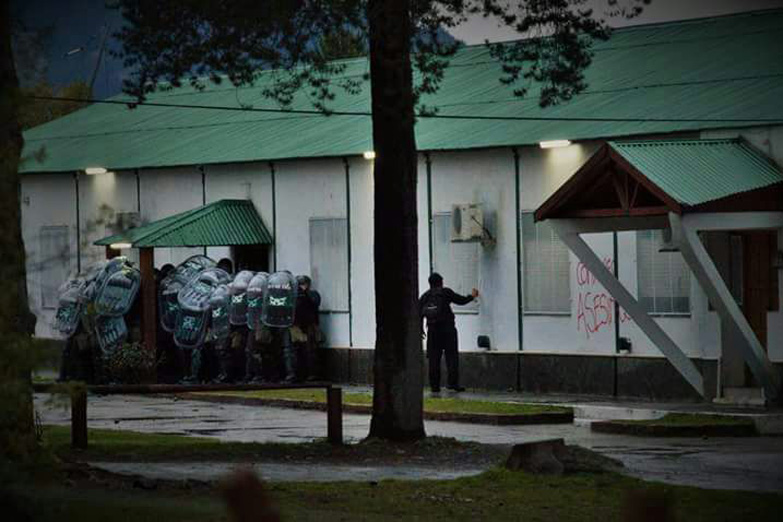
(457, 299)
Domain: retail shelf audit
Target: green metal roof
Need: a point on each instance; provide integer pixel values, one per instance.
(693, 172)
(222, 223)
(721, 68)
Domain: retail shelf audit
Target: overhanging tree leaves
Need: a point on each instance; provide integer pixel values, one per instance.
(195, 41)
(17, 436)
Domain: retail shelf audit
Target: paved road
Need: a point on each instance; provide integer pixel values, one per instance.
(721, 463)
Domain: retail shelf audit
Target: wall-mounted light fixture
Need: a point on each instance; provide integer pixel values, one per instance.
(120, 246)
(369, 154)
(553, 144)
(92, 171)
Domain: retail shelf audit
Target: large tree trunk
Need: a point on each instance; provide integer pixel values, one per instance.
(16, 418)
(397, 398)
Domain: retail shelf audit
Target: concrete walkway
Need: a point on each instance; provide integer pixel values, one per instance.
(769, 420)
(726, 463)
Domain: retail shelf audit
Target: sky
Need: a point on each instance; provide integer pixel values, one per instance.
(479, 29)
(80, 25)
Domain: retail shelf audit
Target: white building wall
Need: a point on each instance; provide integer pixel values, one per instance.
(305, 190)
(317, 188)
(101, 197)
(486, 178)
(251, 181)
(165, 192)
(362, 255)
(589, 330)
(682, 328)
(46, 200)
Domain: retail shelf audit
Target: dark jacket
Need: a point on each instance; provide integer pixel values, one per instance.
(307, 304)
(450, 296)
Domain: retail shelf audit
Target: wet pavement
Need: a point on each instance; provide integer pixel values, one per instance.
(754, 463)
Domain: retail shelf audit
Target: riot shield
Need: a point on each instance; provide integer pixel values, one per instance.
(255, 300)
(219, 306)
(168, 304)
(238, 291)
(119, 290)
(111, 332)
(172, 284)
(69, 307)
(113, 265)
(90, 287)
(193, 313)
(279, 300)
(190, 268)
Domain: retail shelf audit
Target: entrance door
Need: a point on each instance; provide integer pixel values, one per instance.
(745, 262)
(251, 257)
(761, 283)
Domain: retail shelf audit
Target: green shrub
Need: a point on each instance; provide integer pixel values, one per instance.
(133, 363)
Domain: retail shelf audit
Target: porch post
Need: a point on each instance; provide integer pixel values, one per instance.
(148, 298)
(568, 231)
(685, 234)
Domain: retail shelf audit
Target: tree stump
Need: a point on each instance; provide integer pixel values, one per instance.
(539, 457)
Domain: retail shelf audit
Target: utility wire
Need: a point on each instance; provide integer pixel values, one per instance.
(477, 117)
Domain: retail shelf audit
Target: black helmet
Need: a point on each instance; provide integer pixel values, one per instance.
(303, 280)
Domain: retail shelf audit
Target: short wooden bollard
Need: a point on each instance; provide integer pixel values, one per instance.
(334, 415)
(79, 419)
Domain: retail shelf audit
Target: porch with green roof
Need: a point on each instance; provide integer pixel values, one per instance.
(227, 222)
(686, 188)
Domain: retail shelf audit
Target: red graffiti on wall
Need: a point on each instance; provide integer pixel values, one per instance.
(595, 308)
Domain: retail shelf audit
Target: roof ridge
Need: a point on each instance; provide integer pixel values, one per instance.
(675, 141)
(462, 47)
(188, 217)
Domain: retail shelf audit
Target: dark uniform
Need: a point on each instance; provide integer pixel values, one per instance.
(442, 333)
(305, 333)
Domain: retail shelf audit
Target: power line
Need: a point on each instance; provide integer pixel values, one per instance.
(476, 117)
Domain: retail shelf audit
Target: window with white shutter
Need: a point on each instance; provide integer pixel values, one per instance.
(546, 267)
(54, 262)
(663, 277)
(329, 262)
(458, 262)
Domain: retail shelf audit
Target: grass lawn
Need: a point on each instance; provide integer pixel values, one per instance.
(431, 404)
(130, 446)
(497, 495)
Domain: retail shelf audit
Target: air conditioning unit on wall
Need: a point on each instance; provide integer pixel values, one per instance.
(467, 223)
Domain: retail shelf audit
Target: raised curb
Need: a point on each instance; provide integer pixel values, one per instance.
(471, 418)
(657, 430)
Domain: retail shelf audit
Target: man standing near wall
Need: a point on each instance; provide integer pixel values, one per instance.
(435, 306)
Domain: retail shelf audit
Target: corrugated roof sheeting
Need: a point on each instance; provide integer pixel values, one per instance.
(698, 171)
(717, 68)
(222, 223)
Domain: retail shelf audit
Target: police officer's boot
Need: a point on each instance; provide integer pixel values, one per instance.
(290, 360)
(193, 367)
